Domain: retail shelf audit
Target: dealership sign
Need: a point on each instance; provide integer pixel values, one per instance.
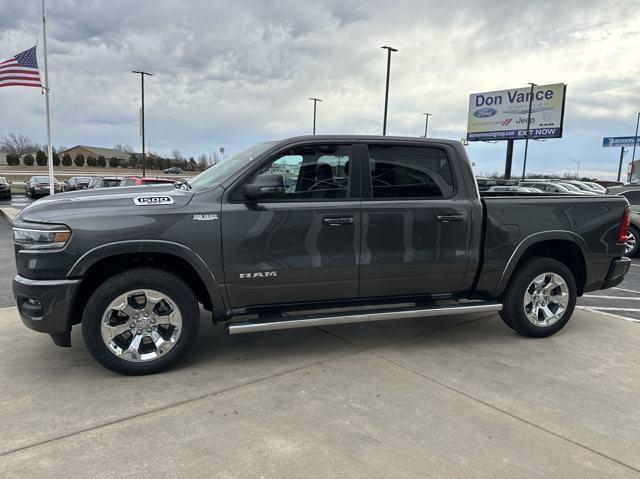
(620, 141)
(503, 115)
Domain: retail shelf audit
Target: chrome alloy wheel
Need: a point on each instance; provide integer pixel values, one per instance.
(630, 245)
(141, 325)
(546, 299)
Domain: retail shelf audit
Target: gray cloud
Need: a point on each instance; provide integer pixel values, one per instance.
(237, 72)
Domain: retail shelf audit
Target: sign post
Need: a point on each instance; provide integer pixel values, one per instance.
(620, 165)
(621, 142)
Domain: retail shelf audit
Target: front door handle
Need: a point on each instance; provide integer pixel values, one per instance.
(339, 221)
(449, 218)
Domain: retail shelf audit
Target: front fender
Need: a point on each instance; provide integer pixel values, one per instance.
(87, 260)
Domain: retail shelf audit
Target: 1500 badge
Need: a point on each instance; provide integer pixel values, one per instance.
(153, 200)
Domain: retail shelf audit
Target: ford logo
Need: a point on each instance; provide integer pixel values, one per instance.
(484, 112)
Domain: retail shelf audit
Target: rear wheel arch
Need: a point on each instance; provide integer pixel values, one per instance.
(568, 248)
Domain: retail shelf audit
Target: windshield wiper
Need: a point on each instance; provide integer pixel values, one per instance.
(185, 182)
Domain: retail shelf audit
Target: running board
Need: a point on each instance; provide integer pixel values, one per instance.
(360, 317)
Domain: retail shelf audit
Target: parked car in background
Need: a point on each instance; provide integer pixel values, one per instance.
(546, 187)
(174, 170)
(37, 186)
(594, 187)
(78, 182)
(511, 189)
(576, 189)
(143, 181)
(632, 247)
(616, 190)
(5, 188)
(104, 182)
(582, 187)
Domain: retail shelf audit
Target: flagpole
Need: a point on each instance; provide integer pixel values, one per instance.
(46, 94)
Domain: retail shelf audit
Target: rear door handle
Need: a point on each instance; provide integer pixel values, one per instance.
(449, 218)
(339, 221)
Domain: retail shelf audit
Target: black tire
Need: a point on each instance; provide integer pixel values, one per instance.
(137, 279)
(633, 230)
(513, 310)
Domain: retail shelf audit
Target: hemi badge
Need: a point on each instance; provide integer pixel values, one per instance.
(153, 200)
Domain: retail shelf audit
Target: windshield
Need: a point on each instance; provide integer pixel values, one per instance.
(220, 171)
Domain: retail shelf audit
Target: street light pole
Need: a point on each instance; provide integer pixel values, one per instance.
(526, 140)
(386, 91)
(576, 163)
(315, 102)
(142, 74)
(426, 123)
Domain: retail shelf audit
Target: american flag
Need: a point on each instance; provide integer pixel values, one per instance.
(21, 70)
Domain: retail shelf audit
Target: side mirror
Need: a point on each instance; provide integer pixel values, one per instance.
(264, 187)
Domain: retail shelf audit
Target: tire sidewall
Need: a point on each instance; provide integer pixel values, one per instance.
(141, 278)
(513, 306)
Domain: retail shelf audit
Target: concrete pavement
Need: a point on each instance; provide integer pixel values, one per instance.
(441, 397)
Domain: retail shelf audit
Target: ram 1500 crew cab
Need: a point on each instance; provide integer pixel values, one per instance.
(307, 231)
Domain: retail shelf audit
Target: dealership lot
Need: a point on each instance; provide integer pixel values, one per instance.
(446, 397)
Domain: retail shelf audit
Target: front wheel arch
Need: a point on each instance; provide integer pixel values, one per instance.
(101, 270)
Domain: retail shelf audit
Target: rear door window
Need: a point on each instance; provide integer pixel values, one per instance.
(410, 172)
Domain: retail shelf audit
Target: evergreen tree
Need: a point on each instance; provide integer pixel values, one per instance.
(28, 160)
(13, 159)
(79, 160)
(41, 158)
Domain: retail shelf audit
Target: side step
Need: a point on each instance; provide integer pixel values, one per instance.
(270, 324)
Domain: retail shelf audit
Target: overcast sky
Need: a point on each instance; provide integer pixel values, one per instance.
(235, 73)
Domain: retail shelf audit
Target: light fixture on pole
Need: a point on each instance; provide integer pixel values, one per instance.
(426, 123)
(526, 140)
(142, 74)
(386, 90)
(315, 102)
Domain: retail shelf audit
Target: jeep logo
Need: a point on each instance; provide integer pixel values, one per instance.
(265, 274)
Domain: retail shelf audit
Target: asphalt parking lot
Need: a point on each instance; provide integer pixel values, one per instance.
(458, 396)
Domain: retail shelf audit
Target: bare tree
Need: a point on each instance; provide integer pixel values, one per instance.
(203, 161)
(176, 155)
(18, 144)
(123, 148)
(216, 157)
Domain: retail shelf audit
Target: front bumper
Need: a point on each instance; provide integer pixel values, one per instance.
(45, 305)
(617, 271)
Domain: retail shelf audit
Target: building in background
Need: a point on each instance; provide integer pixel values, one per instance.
(97, 151)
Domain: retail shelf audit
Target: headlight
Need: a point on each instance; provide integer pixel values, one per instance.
(32, 238)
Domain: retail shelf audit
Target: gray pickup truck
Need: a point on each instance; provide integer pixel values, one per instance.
(307, 231)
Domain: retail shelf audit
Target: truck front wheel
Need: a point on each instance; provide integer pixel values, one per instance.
(140, 321)
(540, 298)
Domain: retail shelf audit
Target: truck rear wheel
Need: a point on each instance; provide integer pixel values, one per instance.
(140, 321)
(632, 246)
(540, 298)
